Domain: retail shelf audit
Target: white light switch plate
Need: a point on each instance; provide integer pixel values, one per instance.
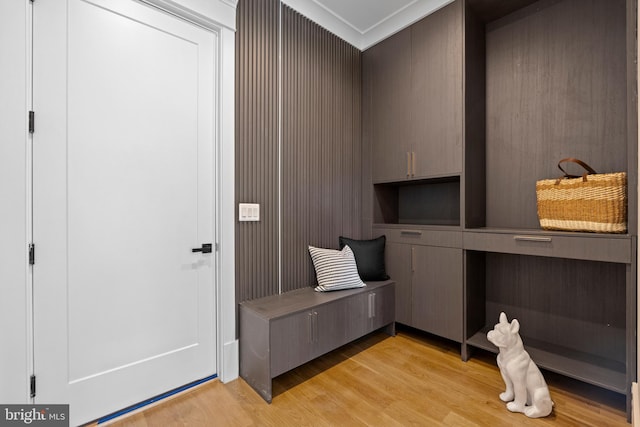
(249, 212)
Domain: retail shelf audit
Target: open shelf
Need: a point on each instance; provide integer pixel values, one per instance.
(423, 202)
(585, 367)
(530, 102)
(573, 313)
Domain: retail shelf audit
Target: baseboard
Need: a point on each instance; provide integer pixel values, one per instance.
(230, 362)
(635, 405)
(150, 403)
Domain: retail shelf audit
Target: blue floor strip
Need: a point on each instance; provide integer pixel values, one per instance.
(155, 399)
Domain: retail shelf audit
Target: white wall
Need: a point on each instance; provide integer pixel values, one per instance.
(15, 294)
(14, 350)
(229, 357)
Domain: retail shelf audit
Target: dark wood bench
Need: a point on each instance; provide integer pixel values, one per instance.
(281, 332)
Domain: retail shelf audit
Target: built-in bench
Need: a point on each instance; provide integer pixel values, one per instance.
(281, 332)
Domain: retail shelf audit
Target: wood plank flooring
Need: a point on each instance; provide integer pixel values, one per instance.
(410, 379)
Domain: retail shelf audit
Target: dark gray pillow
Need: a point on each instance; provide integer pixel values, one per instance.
(369, 256)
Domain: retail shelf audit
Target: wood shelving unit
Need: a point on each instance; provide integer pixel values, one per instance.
(605, 373)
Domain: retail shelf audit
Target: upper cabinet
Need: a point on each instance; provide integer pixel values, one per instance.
(413, 99)
(436, 93)
(387, 90)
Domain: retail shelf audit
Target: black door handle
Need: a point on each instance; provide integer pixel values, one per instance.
(205, 249)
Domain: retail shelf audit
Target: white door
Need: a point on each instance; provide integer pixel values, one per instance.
(123, 189)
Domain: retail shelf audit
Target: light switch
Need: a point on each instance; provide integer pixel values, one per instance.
(249, 212)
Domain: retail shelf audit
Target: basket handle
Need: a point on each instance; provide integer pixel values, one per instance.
(579, 162)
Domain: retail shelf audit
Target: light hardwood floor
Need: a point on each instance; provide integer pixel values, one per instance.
(410, 379)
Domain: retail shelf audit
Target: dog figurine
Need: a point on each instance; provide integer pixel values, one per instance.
(526, 390)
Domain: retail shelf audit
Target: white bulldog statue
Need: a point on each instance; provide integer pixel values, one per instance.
(527, 390)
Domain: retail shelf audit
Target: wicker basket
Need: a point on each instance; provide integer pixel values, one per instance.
(593, 202)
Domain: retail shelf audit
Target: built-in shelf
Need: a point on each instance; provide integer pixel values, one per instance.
(574, 293)
(605, 373)
(422, 202)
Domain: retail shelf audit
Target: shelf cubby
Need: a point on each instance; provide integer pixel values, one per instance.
(423, 202)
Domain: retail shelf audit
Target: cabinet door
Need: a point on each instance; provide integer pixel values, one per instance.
(329, 325)
(436, 92)
(437, 290)
(356, 315)
(291, 342)
(398, 266)
(381, 307)
(387, 91)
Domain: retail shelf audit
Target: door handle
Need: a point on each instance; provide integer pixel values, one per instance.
(205, 249)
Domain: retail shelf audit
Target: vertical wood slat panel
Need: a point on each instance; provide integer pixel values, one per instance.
(321, 143)
(257, 146)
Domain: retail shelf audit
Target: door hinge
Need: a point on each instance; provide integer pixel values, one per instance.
(32, 385)
(32, 254)
(32, 120)
(217, 247)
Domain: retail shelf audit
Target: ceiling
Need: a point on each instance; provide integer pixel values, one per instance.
(364, 23)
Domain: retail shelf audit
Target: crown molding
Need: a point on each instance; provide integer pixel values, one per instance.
(386, 27)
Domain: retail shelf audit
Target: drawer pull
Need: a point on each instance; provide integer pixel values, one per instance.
(532, 239)
(411, 232)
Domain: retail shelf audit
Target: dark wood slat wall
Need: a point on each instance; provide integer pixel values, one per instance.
(257, 146)
(321, 144)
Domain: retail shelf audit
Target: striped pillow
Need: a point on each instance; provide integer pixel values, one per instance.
(335, 269)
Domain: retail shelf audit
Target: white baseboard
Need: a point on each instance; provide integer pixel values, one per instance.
(230, 362)
(635, 405)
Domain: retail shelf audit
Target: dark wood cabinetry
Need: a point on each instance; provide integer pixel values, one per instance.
(539, 81)
(388, 87)
(398, 265)
(437, 291)
(436, 93)
(555, 84)
(281, 332)
(427, 268)
(414, 93)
